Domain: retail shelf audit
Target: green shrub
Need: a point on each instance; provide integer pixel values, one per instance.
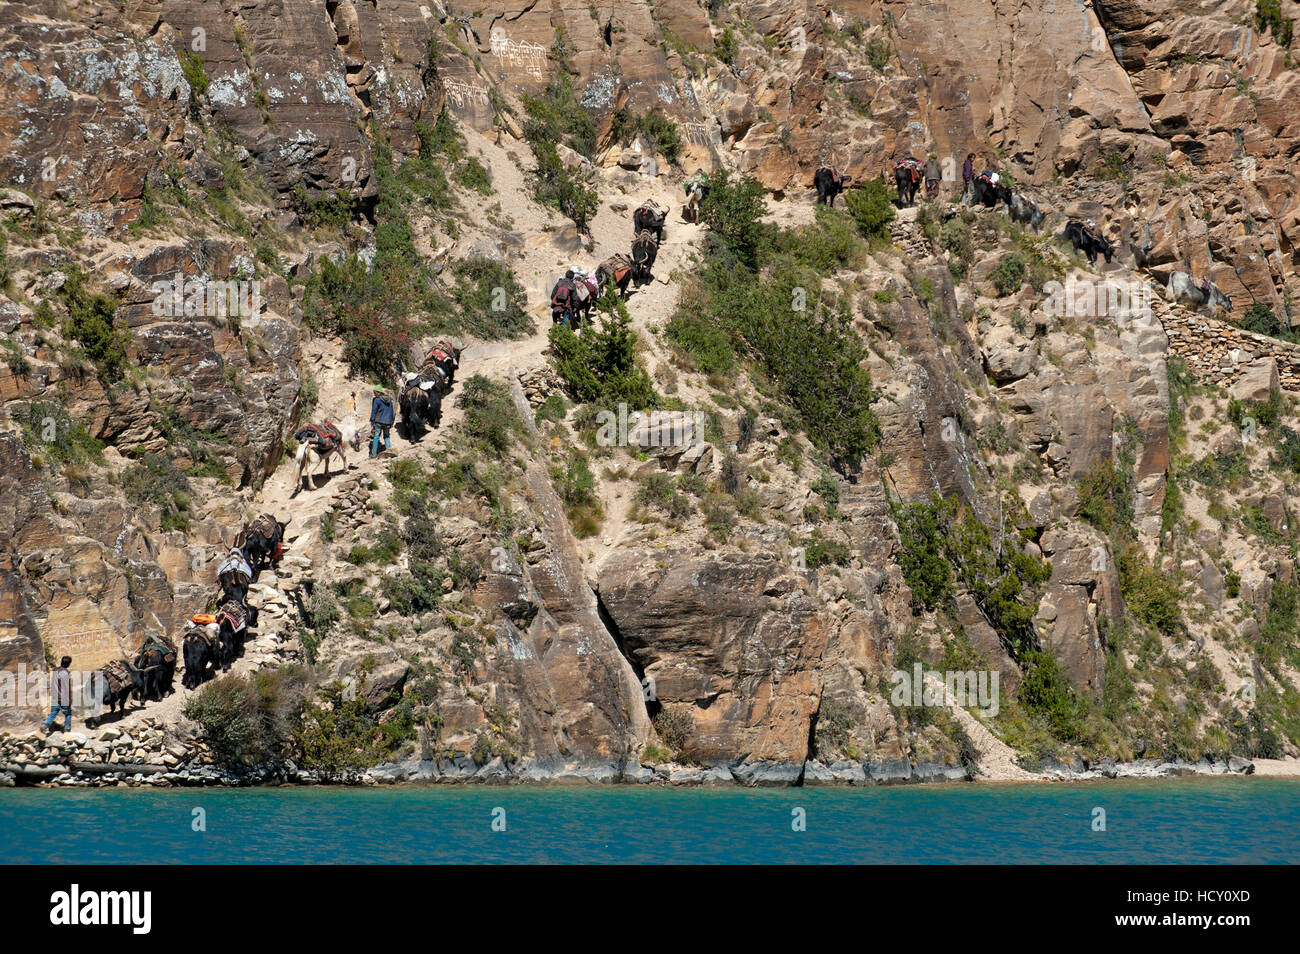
(491, 300)
(922, 530)
(1287, 453)
(473, 175)
(1277, 637)
(674, 726)
(1268, 16)
(820, 551)
(1149, 594)
(1009, 274)
(733, 211)
(660, 490)
(330, 210)
(830, 244)
(384, 551)
(49, 429)
(600, 364)
(815, 361)
(491, 421)
(197, 78)
(725, 47)
(249, 720)
(941, 549)
(380, 309)
(155, 480)
(1047, 692)
(652, 126)
(802, 344)
(440, 138)
(1106, 497)
(955, 237)
(555, 186)
(1262, 320)
(557, 117)
(342, 732)
(554, 408)
(872, 208)
(576, 485)
(878, 53)
(90, 323)
(1224, 469)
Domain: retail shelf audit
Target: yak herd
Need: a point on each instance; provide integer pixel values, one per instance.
(211, 641)
(989, 190)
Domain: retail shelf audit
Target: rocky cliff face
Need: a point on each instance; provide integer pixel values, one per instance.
(156, 152)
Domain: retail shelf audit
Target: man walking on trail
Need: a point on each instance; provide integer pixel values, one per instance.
(968, 178)
(932, 175)
(562, 300)
(381, 420)
(60, 695)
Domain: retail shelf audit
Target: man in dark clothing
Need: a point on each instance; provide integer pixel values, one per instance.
(932, 176)
(60, 695)
(381, 419)
(562, 300)
(968, 178)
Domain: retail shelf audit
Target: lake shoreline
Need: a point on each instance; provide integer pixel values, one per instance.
(72, 773)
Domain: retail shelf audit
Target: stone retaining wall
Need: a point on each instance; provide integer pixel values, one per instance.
(1220, 352)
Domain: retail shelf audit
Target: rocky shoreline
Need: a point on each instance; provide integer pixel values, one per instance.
(152, 758)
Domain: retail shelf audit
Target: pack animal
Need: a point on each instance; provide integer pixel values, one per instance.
(234, 575)
(989, 192)
(697, 190)
(1201, 295)
(615, 270)
(1025, 210)
(420, 396)
(201, 650)
(1089, 242)
(907, 179)
(156, 660)
(649, 218)
(446, 356)
(318, 443)
(644, 251)
(263, 541)
(112, 685)
(232, 627)
(586, 291)
(829, 185)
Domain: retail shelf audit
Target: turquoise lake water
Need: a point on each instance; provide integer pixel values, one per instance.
(1203, 821)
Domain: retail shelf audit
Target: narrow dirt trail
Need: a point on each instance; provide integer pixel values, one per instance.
(345, 399)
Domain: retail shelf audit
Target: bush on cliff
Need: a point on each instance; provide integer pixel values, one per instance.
(733, 212)
(776, 317)
(943, 548)
(659, 132)
(600, 365)
(555, 117)
(249, 720)
(1268, 16)
(490, 299)
(872, 208)
(1263, 320)
(90, 323)
(155, 481)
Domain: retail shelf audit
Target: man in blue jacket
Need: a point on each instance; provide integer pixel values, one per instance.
(381, 419)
